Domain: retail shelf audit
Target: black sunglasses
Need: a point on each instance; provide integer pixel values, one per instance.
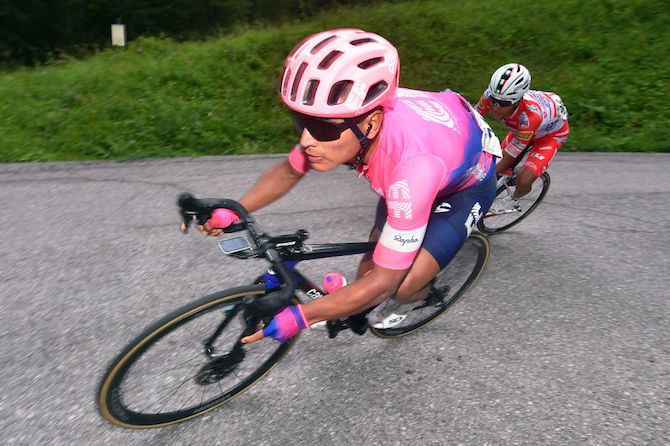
(501, 102)
(323, 129)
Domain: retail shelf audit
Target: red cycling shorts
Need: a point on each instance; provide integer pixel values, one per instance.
(543, 149)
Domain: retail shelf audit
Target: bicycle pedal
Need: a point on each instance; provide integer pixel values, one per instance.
(334, 327)
(358, 323)
(436, 296)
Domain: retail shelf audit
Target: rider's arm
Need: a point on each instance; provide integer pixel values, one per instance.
(380, 284)
(273, 184)
(484, 105)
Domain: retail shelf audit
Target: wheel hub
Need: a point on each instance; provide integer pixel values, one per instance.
(218, 368)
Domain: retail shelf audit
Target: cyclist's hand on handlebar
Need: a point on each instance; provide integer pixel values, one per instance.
(208, 230)
(286, 324)
(221, 219)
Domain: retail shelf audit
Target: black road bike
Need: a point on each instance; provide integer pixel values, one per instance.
(192, 361)
(501, 216)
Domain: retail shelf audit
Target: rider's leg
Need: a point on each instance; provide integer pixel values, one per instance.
(507, 162)
(445, 235)
(450, 224)
(416, 285)
(524, 182)
(538, 160)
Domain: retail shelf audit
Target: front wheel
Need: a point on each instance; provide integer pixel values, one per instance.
(500, 217)
(450, 284)
(188, 363)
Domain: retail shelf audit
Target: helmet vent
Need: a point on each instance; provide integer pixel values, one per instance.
(362, 41)
(296, 81)
(375, 91)
(503, 80)
(370, 63)
(329, 59)
(310, 92)
(321, 44)
(287, 77)
(339, 92)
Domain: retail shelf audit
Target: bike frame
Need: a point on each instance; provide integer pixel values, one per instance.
(283, 252)
(308, 288)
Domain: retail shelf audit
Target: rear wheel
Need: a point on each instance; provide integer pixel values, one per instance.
(500, 218)
(167, 375)
(449, 285)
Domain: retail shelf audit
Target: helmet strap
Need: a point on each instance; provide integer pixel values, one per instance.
(365, 145)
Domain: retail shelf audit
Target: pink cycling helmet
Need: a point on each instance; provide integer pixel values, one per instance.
(341, 73)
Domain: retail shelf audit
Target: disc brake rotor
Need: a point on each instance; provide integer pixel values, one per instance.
(220, 367)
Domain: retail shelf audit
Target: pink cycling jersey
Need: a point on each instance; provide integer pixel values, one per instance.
(431, 145)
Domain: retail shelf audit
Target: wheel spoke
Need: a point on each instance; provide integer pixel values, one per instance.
(171, 395)
(184, 364)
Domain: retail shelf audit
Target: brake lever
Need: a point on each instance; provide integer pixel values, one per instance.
(186, 222)
(189, 216)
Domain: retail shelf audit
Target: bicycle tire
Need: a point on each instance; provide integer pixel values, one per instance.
(467, 266)
(492, 223)
(114, 399)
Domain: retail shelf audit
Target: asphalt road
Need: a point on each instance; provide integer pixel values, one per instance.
(564, 340)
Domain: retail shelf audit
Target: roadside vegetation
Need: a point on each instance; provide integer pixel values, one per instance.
(608, 60)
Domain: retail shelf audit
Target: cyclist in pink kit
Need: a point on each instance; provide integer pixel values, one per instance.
(429, 156)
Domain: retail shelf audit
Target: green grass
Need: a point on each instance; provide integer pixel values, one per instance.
(609, 61)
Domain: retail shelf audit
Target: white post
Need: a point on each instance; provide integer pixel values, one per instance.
(119, 35)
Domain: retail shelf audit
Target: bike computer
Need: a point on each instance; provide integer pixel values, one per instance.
(234, 244)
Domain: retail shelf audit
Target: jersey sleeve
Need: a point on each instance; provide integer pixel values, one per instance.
(298, 159)
(484, 105)
(409, 199)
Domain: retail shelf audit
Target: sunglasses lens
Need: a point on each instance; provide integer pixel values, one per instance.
(500, 102)
(320, 129)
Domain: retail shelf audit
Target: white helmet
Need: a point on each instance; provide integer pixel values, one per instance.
(510, 82)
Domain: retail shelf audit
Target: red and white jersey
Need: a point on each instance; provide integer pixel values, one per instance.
(539, 114)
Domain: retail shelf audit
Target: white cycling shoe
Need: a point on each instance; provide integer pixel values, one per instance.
(505, 204)
(319, 326)
(389, 313)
